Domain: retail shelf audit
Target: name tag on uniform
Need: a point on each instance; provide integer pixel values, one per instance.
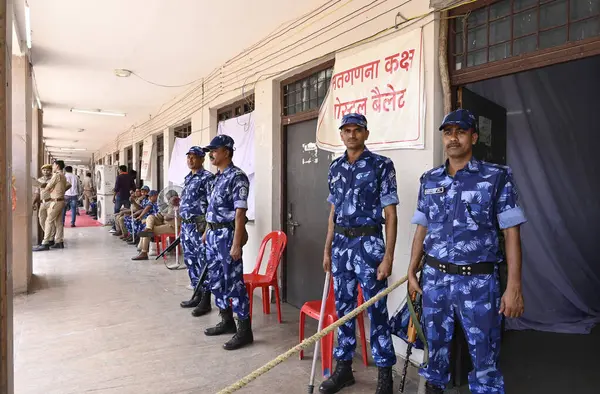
(436, 190)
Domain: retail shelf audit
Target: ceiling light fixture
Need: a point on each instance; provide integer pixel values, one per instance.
(80, 130)
(72, 160)
(73, 149)
(97, 112)
(122, 72)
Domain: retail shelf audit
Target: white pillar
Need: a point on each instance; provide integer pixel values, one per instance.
(169, 142)
(21, 169)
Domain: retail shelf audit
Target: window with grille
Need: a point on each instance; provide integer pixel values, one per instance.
(183, 131)
(307, 93)
(116, 157)
(509, 28)
(236, 109)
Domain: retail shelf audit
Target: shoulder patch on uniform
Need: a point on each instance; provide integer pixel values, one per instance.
(435, 190)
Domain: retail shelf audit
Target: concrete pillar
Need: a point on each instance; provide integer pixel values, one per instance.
(122, 157)
(169, 142)
(136, 153)
(6, 292)
(22, 93)
(37, 160)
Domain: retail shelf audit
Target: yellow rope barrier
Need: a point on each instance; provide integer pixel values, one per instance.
(309, 341)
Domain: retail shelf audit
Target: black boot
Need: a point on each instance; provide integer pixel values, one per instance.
(225, 326)
(58, 245)
(41, 247)
(341, 377)
(432, 389)
(385, 383)
(192, 302)
(204, 307)
(242, 337)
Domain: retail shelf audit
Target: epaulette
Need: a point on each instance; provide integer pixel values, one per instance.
(427, 173)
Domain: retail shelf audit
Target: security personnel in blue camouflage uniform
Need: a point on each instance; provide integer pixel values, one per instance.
(149, 207)
(362, 184)
(460, 207)
(192, 209)
(225, 236)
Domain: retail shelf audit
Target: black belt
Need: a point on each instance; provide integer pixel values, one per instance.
(216, 226)
(483, 268)
(354, 232)
(193, 219)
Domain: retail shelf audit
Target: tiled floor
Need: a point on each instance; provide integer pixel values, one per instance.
(98, 322)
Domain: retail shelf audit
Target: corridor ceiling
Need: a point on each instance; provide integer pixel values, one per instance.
(77, 45)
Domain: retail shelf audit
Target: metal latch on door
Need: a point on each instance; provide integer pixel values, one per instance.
(290, 222)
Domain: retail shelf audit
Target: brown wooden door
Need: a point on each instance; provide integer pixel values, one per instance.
(306, 213)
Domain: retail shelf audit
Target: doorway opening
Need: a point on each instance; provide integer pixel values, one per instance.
(543, 124)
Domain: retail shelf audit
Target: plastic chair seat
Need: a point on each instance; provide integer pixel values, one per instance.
(257, 279)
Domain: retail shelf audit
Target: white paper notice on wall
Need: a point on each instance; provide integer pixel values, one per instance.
(485, 130)
(241, 129)
(145, 173)
(178, 167)
(383, 80)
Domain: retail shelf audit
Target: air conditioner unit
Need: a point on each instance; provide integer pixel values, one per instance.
(105, 179)
(106, 208)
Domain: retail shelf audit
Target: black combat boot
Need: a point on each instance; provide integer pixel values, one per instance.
(41, 247)
(432, 389)
(204, 306)
(225, 326)
(242, 337)
(58, 245)
(341, 377)
(192, 302)
(385, 383)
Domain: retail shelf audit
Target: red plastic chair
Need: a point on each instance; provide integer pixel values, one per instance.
(313, 309)
(255, 280)
(163, 241)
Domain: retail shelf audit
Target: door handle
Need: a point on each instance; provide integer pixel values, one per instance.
(292, 224)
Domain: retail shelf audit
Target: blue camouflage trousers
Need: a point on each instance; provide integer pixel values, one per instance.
(193, 252)
(225, 276)
(138, 226)
(355, 260)
(475, 301)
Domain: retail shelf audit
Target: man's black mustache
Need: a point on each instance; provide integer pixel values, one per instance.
(453, 146)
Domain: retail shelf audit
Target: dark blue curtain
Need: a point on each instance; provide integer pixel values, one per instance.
(553, 134)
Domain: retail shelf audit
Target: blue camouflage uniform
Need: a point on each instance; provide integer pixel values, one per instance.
(193, 204)
(226, 277)
(138, 226)
(359, 191)
(462, 214)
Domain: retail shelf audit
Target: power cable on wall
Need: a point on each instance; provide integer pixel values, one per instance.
(219, 89)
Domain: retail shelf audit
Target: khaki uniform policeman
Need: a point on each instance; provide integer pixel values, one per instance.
(53, 228)
(41, 198)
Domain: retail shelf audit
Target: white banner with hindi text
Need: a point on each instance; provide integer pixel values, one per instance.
(383, 80)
